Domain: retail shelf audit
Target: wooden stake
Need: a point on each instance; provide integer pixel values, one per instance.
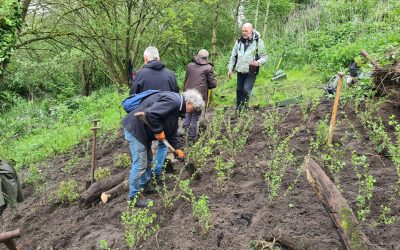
(95, 128)
(341, 214)
(335, 107)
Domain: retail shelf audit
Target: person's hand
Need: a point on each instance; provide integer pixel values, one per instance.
(180, 154)
(230, 74)
(255, 63)
(160, 136)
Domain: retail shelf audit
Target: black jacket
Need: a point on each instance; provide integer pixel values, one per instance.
(154, 75)
(162, 111)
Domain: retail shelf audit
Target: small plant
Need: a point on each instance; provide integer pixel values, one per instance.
(122, 161)
(333, 159)
(282, 157)
(102, 173)
(224, 169)
(68, 192)
(202, 212)
(34, 176)
(365, 185)
(104, 245)
(322, 135)
(385, 217)
(138, 223)
(71, 165)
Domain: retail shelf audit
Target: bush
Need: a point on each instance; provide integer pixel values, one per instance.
(102, 173)
(68, 192)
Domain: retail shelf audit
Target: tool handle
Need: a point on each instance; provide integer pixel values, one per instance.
(141, 116)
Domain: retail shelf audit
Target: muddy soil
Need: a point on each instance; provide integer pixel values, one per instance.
(241, 209)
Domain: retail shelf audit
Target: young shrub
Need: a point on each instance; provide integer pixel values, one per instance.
(202, 212)
(68, 192)
(34, 176)
(72, 165)
(102, 173)
(223, 168)
(365, 185)
(122, 161)
(385, 216)
(138, 223)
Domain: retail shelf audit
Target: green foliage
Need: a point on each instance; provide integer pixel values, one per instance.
(224, 168)
(34, 176)
(10, 22)
(365, 185)
(122, 160)
(321, 135)
(38, 130)
(102, 173)
(385, 216)
(68, 191)
(282, 157)
(138, 223)
(202, 212)
(72, 165)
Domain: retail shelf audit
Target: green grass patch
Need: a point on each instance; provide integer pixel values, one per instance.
(33, 132)
(300, 82)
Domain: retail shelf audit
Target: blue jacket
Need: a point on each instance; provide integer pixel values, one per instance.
(154, 75)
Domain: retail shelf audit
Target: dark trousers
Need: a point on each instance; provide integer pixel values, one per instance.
(245, 84)
(190, 124)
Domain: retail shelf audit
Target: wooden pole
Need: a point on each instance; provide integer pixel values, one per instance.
(106, 196)
(341, 214)
(335, 107)
(95, 128)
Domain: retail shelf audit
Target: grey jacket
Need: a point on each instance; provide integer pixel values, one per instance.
(246, 57)
(10, 188)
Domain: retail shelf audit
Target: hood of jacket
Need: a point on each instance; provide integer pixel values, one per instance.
(256, 35)
(200, 61)
(155, 64)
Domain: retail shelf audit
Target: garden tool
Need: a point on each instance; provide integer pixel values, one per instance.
(279, 74)
(142, 117)
(93, 163)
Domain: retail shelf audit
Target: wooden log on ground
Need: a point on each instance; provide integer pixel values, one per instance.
(115, 191)
(341, 214)
(93, 193)
(7, 238)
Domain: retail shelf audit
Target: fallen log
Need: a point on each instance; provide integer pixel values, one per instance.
(7, 238)
(106, 196)
(347, 226)
(93, 193)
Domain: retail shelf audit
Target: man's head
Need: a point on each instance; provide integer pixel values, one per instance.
(194, 101)
(203, 54)
(247, 31)
(150, 54)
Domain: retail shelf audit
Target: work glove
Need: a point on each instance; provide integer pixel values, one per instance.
(160, 136)
(180, 154)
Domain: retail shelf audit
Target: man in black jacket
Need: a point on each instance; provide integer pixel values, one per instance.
(162, 111)
(154, 75)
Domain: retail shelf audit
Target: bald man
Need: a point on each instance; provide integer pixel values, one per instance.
(247, 56)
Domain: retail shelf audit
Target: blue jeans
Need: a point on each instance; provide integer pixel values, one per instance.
(245, 84)
(190, 123)
(159, 158)
(141, 165)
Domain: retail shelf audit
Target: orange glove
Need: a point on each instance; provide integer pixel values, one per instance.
(180, 154)
(160, 136)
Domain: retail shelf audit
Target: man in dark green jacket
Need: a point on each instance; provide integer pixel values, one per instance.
(10, 188)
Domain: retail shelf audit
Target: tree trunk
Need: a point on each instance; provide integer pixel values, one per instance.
(214, 32)
(266, 20)
(256, 15)
(115, 191)
(341, 214)
(93, 193)
(236, 23)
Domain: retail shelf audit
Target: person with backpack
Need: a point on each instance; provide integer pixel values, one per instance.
(199, 76)
(161, 113)
(155, 76)
(247, 56)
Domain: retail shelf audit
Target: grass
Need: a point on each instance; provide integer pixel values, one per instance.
(58, 128)
(300, 82)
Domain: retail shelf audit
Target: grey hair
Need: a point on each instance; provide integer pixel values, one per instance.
(203, 54)
(194, 96)
(151, 53)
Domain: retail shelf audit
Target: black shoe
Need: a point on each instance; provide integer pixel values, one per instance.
(149, 188)
(142, 202)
